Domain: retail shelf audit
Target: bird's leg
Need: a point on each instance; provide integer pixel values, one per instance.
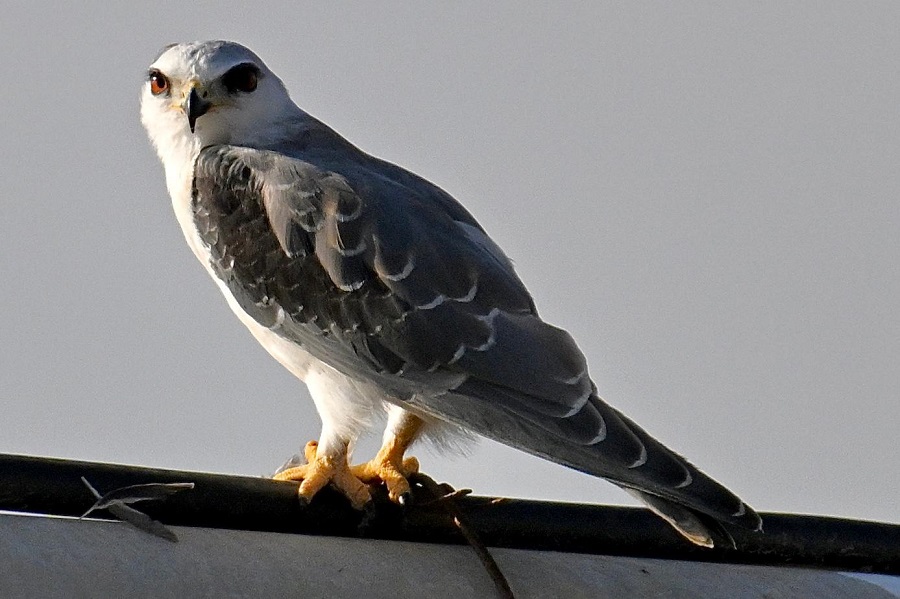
(324, 466)
(327, 463)
(389, 466)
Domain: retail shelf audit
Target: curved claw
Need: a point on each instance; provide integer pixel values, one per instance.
(390, 468)
(321, 470)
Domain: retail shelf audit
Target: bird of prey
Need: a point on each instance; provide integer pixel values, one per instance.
(380, 291)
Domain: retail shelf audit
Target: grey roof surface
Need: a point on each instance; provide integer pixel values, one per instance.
(54, 557)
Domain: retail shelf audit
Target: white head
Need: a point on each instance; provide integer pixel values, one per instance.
(215, 92)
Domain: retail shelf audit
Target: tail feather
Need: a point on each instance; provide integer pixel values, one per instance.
(682, 519)
(601, 441)
(700, 496)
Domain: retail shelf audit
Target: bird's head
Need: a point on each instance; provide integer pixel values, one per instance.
(215, 92)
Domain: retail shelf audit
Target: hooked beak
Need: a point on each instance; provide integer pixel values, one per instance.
(195, 107)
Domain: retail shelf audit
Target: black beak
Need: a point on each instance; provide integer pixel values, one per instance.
(195, 107)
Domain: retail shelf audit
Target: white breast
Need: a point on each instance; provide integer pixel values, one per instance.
(290, 355)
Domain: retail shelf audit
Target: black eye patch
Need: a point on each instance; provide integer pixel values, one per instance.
(242, 78)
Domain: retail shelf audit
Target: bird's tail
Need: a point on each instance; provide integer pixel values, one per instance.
(682, 519)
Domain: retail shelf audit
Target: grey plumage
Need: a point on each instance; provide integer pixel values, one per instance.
(378, 272)
(372, 285)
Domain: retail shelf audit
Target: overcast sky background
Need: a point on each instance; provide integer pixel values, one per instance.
(705, 197)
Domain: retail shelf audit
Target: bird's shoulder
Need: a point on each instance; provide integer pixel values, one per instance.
(317, 231)
(372, 179)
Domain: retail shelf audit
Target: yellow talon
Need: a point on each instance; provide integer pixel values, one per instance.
(389, 467)
(320, 471)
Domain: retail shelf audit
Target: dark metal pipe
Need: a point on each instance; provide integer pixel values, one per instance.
(54, 486)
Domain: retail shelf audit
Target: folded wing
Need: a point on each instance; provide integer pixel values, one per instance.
(386, 277)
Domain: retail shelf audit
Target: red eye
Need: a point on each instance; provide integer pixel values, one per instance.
(158, 83)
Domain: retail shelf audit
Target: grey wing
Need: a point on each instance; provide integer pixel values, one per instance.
(384, 277)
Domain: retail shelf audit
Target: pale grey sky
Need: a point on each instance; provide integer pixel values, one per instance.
(705, 196)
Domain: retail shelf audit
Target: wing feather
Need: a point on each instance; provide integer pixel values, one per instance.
(386, 277)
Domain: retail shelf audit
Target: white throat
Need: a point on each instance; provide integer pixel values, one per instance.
(178, 152)
(178, 149)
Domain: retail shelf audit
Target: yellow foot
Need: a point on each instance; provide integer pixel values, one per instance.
(390, 467)
(322, 470)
